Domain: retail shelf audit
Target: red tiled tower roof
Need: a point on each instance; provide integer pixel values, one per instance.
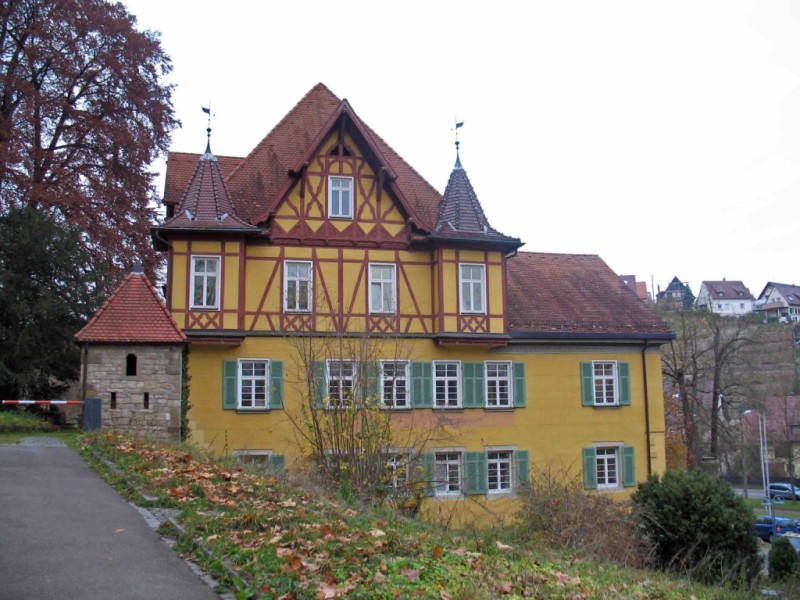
(206, 204)
(575, 294)
(461, 215)
(133, 314)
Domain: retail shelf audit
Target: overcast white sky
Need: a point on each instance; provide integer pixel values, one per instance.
(662, 136)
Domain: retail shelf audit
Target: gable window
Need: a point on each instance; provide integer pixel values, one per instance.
(446, 384)
(205, 282)
(341, 383)
(298, 286)
(472, 283)
(609, 467)
(382, 288)
(253, 384)
(447, 474)
(499, 471)
(498, 385)
(394, 383)
(340, 197)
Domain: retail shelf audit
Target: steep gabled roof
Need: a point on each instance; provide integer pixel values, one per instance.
(554, 295)
(133, 314)
(461, 215)
(727, 290)
(206, 204)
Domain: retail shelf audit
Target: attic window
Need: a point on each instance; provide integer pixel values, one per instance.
(340, 197)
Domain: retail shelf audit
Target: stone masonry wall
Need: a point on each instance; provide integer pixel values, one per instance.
(158, 373)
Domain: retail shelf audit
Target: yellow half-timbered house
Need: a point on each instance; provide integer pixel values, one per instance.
(322, 263)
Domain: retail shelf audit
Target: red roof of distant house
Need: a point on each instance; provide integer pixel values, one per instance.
(134, 314)
(574, 294)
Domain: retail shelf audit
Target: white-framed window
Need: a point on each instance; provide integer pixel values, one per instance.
(608, 467)
(382, 288)
(448, 473)
(604, 376)
(298, 285)
(205, 282)
(446, 384)
(253, 384)
(341, 383)
(394, 384)
(472, 283)
(500, 471)
(397, 463)
(498, 385)
(340, 197)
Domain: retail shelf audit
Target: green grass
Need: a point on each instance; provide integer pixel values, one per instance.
(16, 421)
(263, 538)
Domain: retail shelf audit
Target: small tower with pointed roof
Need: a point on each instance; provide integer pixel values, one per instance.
(132, 359)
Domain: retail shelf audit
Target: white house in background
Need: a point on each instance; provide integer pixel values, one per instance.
(779, 302)
(727, 298)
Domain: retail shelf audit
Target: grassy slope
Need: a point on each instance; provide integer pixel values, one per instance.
(266, 538)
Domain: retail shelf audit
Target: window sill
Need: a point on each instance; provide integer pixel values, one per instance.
(250, 411)
(297, 311)
(500, 408)
(500, 495)
(397, 408)
(204, 308)
(449, 408)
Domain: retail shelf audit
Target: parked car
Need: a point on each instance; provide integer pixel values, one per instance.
(766, 528)
(784, 491)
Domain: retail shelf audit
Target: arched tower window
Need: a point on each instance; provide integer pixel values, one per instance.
(130, 365)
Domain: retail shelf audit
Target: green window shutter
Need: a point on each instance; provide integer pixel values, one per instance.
(587, 384)
(421, 385)
(519, 385)
(277, 463)
(276, 384)
(319, 385)
(589, 468)
(475, 468)
(628, 467)
(472, 385)
(230, 374)
(373, 381)
(624, 374)
(523, 466)
(428, 473)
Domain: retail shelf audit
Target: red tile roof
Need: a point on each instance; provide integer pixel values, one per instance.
(255, 181)
(576, 294)
(206, 204)
(133, 314)
(461, 215)
(181, 166)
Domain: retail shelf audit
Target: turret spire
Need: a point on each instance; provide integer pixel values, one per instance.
(458, 126)
(208, 130)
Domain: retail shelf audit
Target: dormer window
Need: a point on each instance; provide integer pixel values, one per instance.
(340, 197)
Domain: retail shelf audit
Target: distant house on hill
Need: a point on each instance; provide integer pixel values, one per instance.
(727, 298)
(677, 296)
(779, 302)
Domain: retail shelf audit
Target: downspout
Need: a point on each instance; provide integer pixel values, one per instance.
(646, 409)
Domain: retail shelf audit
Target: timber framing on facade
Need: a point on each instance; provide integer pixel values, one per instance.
(322, 232)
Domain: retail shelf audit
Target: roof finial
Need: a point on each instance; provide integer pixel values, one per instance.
(458, 126)
(208, 128)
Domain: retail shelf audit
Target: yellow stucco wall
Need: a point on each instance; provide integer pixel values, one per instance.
(553, 426)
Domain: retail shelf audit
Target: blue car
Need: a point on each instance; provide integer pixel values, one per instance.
(766, 529)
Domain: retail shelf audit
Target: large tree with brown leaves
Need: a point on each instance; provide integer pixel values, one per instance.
(84, 111)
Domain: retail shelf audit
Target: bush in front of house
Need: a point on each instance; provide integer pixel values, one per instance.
(783, 561)
(698, 527)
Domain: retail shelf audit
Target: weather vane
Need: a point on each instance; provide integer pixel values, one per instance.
(208, 128)
(458, 126)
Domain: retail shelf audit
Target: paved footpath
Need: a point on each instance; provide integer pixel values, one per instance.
(65, 534)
